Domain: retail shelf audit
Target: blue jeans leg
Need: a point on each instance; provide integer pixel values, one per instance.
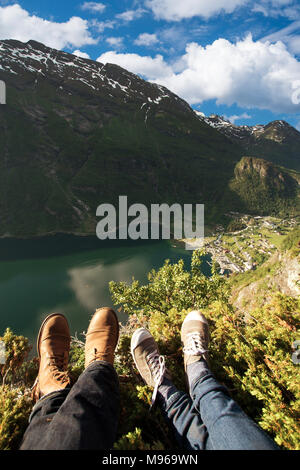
(84, 417)
(185, 423)
(229, 428)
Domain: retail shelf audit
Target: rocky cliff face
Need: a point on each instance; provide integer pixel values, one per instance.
(266, 172)
(264, 187)
(284, 278)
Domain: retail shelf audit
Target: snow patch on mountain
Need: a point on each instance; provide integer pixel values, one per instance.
(18, 58)
(274, 131)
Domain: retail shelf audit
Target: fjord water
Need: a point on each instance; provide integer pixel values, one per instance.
(69, 274)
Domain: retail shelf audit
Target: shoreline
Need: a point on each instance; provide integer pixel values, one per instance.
(7, 236)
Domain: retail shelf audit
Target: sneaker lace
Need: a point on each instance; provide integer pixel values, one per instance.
(158, 368)
(194, 345)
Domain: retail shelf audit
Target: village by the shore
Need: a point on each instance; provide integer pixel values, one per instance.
(244, 249)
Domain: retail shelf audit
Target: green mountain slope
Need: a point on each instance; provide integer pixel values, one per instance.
(76, 133)
(264, 188)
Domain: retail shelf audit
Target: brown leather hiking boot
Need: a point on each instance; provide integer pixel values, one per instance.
(195, 338)
(53, 345)
(102, 336)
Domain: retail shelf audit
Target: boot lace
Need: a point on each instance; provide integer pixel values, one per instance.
(58, 365)
(157, 367)
(98, 355)
(194, 345)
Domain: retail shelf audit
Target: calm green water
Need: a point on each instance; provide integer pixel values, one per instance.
(70, 275)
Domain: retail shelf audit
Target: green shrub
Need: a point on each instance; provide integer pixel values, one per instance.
(292, 242)
(17, 350)
(134, 441)
(17, 375)
(236, 225)
(172, 286)
(15, 407)
(252, 356)
(76, 359)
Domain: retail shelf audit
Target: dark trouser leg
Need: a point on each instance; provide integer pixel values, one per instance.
(41, 416)
(84, 418)
(229, 428)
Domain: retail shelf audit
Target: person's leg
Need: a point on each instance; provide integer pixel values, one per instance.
(53, 382)
(41, 418)
(229, 428)
(185, 422)
(176, 406)
(227, 425)
(86, 417)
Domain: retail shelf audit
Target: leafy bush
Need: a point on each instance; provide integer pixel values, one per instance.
(15, 407)
(252, 356)
(133, 441)
(15, 397)
(172, 286)
(292, 242)
(17, 349)
(235, 225)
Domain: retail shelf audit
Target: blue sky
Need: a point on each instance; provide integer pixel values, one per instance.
(237, 58)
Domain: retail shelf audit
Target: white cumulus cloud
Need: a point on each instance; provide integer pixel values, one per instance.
(149, 67)
(17, 23)
(250, 74)
(174, 10)
(100, 26)
(247, 73)
(130, 15)
(146, 39)
(81, 54)
(95, 7)
(237, 117)
(289, 35)
(116, 42)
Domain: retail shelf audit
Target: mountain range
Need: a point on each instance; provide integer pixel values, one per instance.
(277, 141)
(76, 133)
